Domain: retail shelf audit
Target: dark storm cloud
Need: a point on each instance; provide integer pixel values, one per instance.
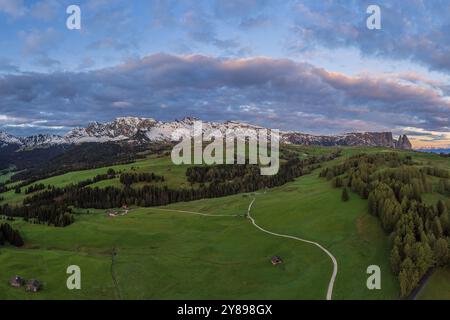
(274, 92)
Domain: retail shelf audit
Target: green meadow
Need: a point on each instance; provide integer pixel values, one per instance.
(179, 255)
(438, 286)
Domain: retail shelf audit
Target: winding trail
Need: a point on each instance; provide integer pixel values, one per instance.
(333, 259)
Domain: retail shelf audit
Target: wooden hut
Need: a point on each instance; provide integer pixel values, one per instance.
(16, 282)
(276, 260)
(33, 285)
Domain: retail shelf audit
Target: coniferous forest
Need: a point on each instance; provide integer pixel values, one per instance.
(394, 187)
(53, 205)
(9, 235)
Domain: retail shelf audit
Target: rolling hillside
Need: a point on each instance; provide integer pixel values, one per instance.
(178, 253)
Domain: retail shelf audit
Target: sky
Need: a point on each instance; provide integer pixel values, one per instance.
(310, 66)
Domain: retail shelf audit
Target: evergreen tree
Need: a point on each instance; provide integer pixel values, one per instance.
(345, 197)
(441, 252)
(396, 260)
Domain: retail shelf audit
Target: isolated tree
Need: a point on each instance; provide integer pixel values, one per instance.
(345, 197)
(337, 182)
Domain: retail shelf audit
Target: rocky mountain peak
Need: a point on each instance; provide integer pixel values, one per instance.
(143, 130)
(6, 138)
(403, 143)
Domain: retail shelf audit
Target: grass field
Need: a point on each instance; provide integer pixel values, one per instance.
(174, 175)
(4, 177)
(438, 286)
(172, 255)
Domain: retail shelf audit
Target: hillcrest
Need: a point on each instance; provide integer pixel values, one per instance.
(257, 140)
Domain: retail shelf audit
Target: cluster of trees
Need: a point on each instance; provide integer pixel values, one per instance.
(110, 174)
(443, 187)
(151, 195)
(42, 208)
(18, 187)
(129, 178)
(219, 173)
(52, 206)
(41, 163)
(34, 188)
(436, 172)
(3, 187)
(8, 234)
(420, 233)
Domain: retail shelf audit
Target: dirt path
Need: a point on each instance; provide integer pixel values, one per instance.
(333, 259)
(422, 283)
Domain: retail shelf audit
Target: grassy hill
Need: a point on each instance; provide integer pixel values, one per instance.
(179, 255)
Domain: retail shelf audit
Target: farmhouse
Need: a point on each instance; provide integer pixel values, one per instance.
(118, 213)
(16, 282)
(276, 260)
(113, 213)
(33, 285)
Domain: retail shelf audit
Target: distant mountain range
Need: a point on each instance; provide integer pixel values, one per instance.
(146, 130)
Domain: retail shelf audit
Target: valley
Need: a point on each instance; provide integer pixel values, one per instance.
(217, 254)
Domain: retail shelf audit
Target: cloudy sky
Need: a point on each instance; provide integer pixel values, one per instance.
(311, 66)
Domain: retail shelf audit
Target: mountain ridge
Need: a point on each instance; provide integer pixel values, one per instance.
(141, 130)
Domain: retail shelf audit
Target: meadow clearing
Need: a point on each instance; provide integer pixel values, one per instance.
(177, 255)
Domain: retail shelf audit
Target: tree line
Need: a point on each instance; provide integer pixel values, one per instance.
(56, 214)
(420, 233)
(34, 188)
(152, 195)
(10, 235)
(128, 178)
(52, 206)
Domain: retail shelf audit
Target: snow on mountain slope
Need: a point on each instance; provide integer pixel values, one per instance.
(7, 139)
(150, 130)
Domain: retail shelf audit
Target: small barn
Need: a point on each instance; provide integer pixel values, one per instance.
(16, 282)
(33, 285)
(276, 260)
(113, 213)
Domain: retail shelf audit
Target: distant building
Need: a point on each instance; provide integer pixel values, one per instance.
(276, 260)
(33, 285)
(16, 282)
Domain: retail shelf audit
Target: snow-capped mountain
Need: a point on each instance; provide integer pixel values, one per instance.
(7, 139)
(120, 129)
(141, 130)
(42, 140)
